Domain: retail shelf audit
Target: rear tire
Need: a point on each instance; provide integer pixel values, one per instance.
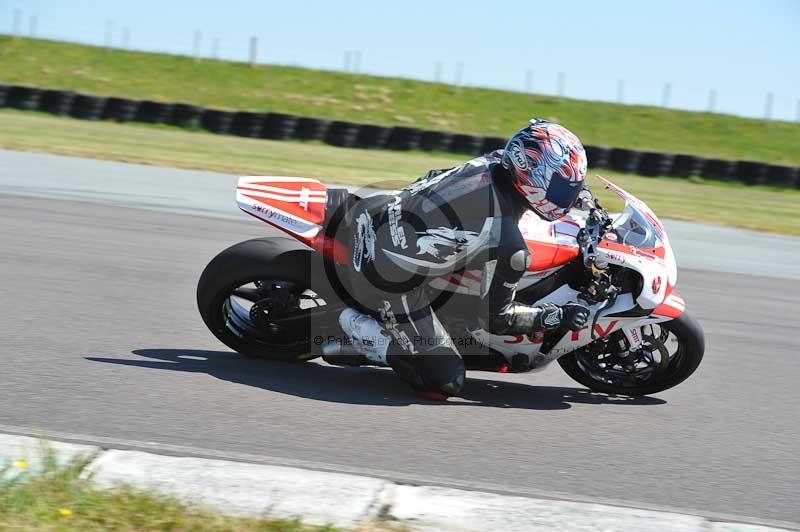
(251, 261)
(691, 346)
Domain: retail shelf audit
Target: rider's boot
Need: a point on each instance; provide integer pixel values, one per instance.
(367, 335)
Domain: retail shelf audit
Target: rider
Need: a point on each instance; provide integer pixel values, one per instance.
(463, 218)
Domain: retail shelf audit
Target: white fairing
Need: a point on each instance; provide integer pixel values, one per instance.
(628, 246)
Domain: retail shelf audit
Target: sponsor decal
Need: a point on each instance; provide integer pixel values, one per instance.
(553, 318)
(518, 156)
(656, 286)
(275, 215)
(304, 196)
(390, 322)
(364, 245)
(395, 215)
(444, 239)
(599, 332)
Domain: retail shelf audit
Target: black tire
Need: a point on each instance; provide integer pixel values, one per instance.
(258, 259)
(686, 165)
(404, 138)
(278, 126)
(121, 109)
(491, 144)
(692, 346)
(783, 176)
(467, 144)
(751, 172)
(185, 115)
(3, 94)
(56, 102)
(87, 107)
(247, 124)
(311, 128)
(598, 156)
(342, 134)
(655, 164)
(372, 136)
(216, 121)
(24, 98)
(151, 112)
(624, 160)
(436, 140)
(718, 169)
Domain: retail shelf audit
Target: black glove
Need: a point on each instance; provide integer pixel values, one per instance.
(573, 316)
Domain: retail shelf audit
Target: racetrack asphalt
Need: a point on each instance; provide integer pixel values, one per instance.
(101, 338)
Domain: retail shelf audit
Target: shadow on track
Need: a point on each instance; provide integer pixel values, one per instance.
(363, 385)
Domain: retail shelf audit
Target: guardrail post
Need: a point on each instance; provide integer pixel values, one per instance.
(253, 51)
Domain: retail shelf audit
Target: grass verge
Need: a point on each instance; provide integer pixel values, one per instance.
(59, 497)
(760, 208)
(390, 101)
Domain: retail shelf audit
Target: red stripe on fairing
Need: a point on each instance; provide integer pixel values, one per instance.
(314, 212)
(669, 310)
(470, 275)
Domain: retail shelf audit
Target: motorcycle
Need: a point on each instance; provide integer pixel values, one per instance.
(280, 297)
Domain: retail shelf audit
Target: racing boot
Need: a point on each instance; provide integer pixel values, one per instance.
(367, 335)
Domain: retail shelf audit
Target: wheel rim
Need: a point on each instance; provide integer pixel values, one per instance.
(660, 358)
(273, 312)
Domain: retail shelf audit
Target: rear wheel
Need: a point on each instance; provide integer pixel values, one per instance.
(255, 297)
(671, 352)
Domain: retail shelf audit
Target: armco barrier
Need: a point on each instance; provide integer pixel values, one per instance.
(281, 126)
(120, 109)
(56, 102)
(88, 107)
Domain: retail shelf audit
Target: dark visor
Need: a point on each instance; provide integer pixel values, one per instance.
(562, 192)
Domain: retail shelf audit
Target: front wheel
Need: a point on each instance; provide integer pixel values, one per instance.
(672, 351)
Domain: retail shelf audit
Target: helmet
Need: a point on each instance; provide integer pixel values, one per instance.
(547, 164)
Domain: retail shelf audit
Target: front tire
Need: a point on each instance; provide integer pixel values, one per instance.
(245, 292)
(582, 367)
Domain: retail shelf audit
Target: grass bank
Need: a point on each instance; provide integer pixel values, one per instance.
(760, 208)
(389, 101)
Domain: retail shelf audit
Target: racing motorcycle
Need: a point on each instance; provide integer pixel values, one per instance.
(280, 298)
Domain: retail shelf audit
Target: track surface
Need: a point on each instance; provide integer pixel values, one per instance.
(101, 337)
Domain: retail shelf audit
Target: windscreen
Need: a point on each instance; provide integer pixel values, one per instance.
(634, 228)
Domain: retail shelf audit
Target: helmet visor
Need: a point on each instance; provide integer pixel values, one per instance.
(563, 192)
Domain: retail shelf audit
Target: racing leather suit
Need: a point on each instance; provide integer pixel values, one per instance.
(463, 218)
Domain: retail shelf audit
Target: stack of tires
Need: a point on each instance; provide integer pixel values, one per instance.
(24, 98)
(342, 134)
(121, 109)
(404, 138)
(185, 115)
(216, 121)
(88, 107)
(56, 102)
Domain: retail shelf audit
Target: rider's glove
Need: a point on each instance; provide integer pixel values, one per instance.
(573, 316)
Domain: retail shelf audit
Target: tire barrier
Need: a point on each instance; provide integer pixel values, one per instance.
(493, 143)
(247, 124)
(121, 109)
(24, 98)
(624, 160)
(342, 134)
(718, 169)
(3, 93)
(87, 107)
(597, 156)
(56, 102)
(686, 165)
(311, 128)
(372, 136)
(152, 112)
(436, 140)
(184, 115)
(655, 163)
(783, 176)
(751, 172)
(404, 138)
(468, 144)
(277, 126)
(216, 121)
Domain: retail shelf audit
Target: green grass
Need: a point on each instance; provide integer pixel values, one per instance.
(761, 208)
(391, 101)
(57, 497)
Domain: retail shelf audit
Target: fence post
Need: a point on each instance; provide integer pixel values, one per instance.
(356, 61)
(215, 48)
(437, 72)
(768, 106)
(109, 33)
(33, 23)
(348, 55)
(620, 91)
(665, 94)
(253, 51)
(712, 100)
(798, 110)
(459, 74)
(126, 37)
(529, 80)
(198, 37)
(560, 81)
(17, 23)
